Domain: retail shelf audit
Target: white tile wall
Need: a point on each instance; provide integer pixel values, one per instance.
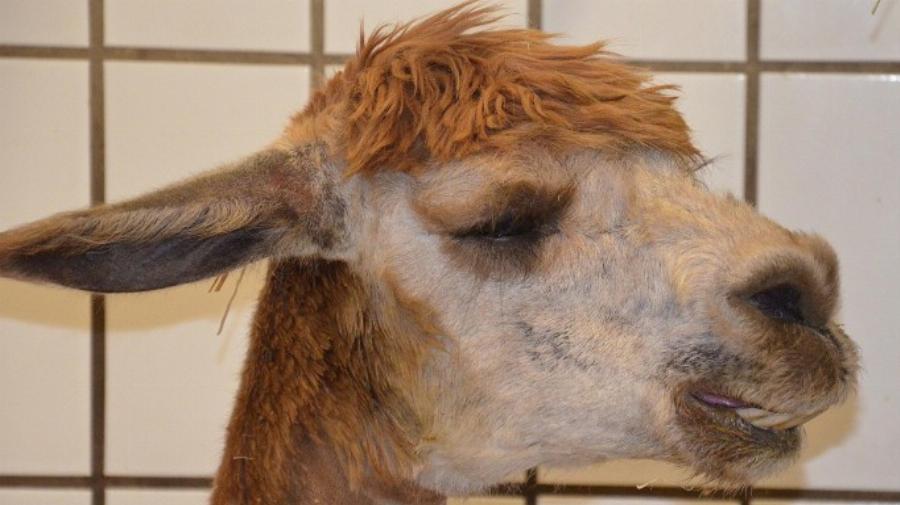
(44, 380)
(44, 332)
(44, 497)
(343, 17)
(810, 502)
(482, 500)
(713, 106)
(654, 29)
(157, 497)
(830, 30)
(828, 162)
(171, 379)
(273, 25)
(43, 103)
(639, 473)
(44, 22)
(168, 121)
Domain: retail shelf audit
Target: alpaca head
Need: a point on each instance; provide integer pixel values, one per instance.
(533, 210)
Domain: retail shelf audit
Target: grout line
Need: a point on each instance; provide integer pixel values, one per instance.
(204, 56)
(98, 302)
(158, 54)
(317, 43)
(43, 52)
(511, 489)
(751, 104)
(746, 496)
(535, 14)
(677, 492)
(530, 489)
(836, 67)
(713, 67)
(46, 481)
(160, 482)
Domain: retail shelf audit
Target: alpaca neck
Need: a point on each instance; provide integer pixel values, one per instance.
(308, 424)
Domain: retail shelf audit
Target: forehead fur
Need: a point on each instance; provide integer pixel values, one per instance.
(447, 86)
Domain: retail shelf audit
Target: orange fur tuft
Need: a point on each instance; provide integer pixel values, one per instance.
(445, 87)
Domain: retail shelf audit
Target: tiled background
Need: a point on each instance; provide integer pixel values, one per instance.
(123, 400)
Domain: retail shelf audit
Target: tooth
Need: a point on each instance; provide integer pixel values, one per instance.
(796, 421)
(771, 420)
(751, 413)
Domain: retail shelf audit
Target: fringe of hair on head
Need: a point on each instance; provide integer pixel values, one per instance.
(448, 86)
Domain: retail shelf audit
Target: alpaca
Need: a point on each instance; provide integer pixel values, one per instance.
(487, 252)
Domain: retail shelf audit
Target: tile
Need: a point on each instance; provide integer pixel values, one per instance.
(171, 378)
(156, 497)
(273, 25)
(44, 22)
(830, 30)
(713, 106)
(654, 29)
(44, 380)
(761, 501)
(44, 497)
(639, 473)
(44, 331)
(828, 163)
(343, 17)
(609, 500)
(44, 152)
(168, 121)
(486, 500)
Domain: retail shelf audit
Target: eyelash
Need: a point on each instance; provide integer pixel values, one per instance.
(507, 228)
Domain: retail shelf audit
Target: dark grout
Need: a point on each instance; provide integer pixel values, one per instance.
(317, 42)
(751, 103)
(240, 57)
(97, 105)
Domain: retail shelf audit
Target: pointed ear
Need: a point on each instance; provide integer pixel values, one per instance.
(274, 203)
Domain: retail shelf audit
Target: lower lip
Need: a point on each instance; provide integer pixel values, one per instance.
(719, 401)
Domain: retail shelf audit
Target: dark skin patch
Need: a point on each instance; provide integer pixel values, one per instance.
(548, 348)
(707, 360)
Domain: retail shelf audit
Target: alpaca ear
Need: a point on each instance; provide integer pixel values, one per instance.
(274, 203)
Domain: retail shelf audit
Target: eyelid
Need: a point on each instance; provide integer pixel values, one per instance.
(508, 224)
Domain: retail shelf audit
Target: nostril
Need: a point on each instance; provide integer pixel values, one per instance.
(781, 302)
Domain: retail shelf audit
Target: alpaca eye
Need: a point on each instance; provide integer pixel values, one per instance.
(505, 228)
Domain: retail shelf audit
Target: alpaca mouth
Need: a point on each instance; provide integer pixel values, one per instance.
(753, 414)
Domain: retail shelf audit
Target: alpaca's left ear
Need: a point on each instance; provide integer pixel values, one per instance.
(274, 203)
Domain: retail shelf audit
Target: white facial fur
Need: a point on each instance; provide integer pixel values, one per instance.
(569, 360)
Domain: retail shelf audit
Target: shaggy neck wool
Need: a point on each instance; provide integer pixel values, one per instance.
(319, 416)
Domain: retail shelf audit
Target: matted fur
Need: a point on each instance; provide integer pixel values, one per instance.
(446, 87)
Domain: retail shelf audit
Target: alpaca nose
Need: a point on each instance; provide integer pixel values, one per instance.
(791, 281)
(782, 302)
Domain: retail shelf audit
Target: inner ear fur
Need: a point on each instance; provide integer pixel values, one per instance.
(273, 203)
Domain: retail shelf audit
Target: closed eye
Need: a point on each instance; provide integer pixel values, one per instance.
(507, 227)
(509, 237)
